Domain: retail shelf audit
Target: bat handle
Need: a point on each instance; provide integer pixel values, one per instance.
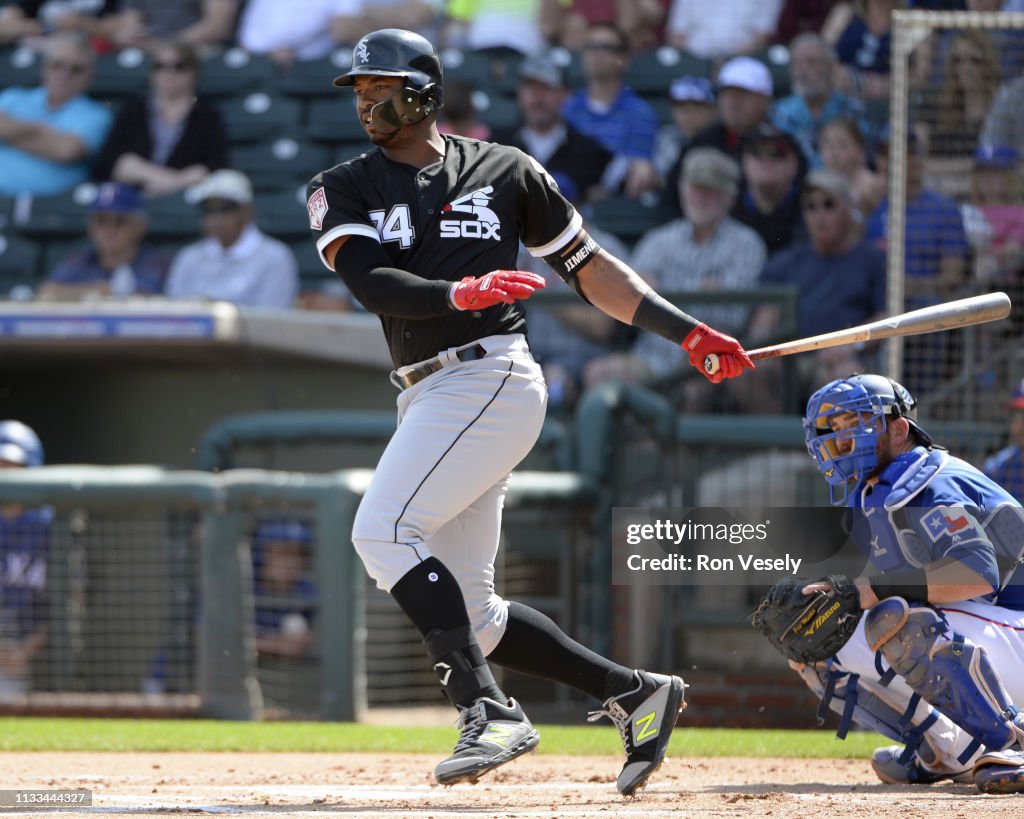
(711, 363)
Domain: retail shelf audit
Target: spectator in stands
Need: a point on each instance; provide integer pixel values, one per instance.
(511, 26)
(170, 139)
(576, 161)
(1004, 121)
(24, 544)
(957, 107)
(613, 114)
(355, 18)
(844, 149)
(934, 260)
(26, 22)
(862, 35)
(274, 28)
(117, 262)
(283, 575)
(206, 25)
(49, 133)
(773, 171)
(1007, 465)
(693, 110)
(707, 251)
(565, 22)
(935, 243)
(994, 217)
(236, 261)
(725, 29)
(815, 99)
(744, 96)
(460, 115)
(799, 16)
(840, 276)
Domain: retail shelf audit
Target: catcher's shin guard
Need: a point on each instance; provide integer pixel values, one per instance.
(956, 677)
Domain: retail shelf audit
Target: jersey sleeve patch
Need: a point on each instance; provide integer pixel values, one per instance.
(316, 207)
(946, 521)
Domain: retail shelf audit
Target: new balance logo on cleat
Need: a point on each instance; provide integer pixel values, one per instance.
(491, 734)
(645, 716)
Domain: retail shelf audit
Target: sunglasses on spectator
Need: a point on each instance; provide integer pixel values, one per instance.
(74, 69)
(212, 209)
(814, 205)
(613, 48)
(178, 67)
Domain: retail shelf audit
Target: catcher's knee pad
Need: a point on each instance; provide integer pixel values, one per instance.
(955, 676)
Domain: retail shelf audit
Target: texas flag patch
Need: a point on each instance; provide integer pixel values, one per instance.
(945, 521)
(316, 207)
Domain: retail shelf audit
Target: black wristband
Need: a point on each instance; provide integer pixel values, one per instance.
(659, 316)
(910, 584)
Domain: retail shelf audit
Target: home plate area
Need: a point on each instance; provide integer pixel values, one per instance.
(400, 785)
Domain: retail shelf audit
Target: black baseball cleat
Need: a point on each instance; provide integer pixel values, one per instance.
(491, 735)
(645, 716)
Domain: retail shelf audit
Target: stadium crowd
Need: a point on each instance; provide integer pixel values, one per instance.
(117, 113)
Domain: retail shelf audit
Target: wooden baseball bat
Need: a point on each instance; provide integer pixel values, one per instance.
(946, 316)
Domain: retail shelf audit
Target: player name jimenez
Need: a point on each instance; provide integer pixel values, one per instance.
(710, 563)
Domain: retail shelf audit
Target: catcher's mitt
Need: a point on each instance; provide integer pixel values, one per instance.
(809, 628)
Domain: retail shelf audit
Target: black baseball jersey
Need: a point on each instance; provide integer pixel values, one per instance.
(463, 216)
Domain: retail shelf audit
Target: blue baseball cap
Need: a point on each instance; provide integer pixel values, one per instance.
(289, 531)
(114, 197)
(996, 156)
(692, 89)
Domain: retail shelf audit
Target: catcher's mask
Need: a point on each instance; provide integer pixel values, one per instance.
(847, 456)
(393, 52)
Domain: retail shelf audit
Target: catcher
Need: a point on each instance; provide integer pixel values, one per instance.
(927, 646)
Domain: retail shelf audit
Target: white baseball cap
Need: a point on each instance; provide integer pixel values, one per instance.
(225, 184)
(748, 74)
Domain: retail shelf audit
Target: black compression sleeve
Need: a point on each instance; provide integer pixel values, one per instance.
(659, 316)
(387, 291)
(910, 584)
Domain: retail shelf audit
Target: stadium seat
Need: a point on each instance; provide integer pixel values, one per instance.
(283, 215)
(776, 57)
(58, 217)
(629, 219)
(174, 218)
(260, 116)
(121, 74)
(53, 253)
(234, 72)
(281, 163)
(19, 266)
(19, 66)
(314, 78)
(333, 120)
(473, 67)
(652, 71)
(348, 150)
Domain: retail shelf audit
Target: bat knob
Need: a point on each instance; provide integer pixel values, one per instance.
(711, 363)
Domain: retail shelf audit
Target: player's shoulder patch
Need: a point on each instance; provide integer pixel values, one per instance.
(316, 207)
(947, 521)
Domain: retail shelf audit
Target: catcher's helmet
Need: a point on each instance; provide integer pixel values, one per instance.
(874, 398)
(394, 52)
(19, 444)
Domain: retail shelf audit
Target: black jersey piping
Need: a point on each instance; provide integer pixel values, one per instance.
(465, 429)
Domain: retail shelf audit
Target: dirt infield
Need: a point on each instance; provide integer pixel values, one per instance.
(393, 786)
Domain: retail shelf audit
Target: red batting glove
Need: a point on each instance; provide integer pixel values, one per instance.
(732, 358)
(497, 286)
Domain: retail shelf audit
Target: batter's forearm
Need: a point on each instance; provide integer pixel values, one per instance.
(612, 286)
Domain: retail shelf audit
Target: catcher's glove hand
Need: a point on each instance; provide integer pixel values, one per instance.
(812, 627)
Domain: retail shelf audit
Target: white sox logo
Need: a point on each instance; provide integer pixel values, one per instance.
(486, 225)
(363, 53)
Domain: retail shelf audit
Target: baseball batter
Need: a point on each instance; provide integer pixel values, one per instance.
(937, 661)
(423, 231)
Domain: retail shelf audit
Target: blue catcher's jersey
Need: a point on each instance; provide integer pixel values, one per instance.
(928, 505)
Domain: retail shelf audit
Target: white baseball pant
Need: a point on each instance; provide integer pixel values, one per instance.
(440, 486)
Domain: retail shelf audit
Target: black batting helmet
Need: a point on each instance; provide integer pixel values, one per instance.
(394, 52)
